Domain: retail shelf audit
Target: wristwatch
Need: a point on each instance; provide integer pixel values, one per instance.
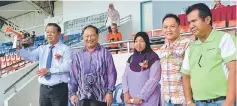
(49, 73)
(110, 92)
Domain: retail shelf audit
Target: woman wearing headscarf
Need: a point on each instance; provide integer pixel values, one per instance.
(218, 4)
(113, 17)
(142, 74)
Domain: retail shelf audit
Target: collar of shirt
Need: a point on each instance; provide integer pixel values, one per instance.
(98, 47)
(176, 42)
(57, 45)
(209, 38)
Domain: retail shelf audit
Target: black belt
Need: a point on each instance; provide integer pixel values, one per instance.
(212, 100)
(54, 86)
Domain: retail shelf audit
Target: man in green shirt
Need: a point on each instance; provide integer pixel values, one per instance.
(209, 66)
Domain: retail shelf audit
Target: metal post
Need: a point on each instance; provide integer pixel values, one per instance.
(152, 33)
(128, 47)
(0, 74)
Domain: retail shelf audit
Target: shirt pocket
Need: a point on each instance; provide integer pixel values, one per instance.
(177, 59)
(211, 53)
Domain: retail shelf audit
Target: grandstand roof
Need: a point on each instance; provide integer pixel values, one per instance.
(3, 3)
(12, 9)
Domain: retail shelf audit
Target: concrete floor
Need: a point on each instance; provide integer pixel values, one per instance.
(8, 80)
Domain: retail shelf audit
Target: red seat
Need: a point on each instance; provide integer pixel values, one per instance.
(232, 23)
(8, 57)
(149, 33)
(13, 57)
(185, 20)
(158, 32)
(219, 24)
(65, 38)
(185, 29)
(15, 61)
(231, 12)
(9, 63)
(182, 19)
(216, 14)
(18, 57)
(223, 13)
(22, 63)
(2, 58)
(3, 64)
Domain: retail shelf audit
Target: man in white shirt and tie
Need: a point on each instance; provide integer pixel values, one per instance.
(54, 67)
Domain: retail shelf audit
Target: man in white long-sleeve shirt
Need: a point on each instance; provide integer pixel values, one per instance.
(54, 67)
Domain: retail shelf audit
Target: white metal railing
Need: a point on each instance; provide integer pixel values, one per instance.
(102, 29)
(122, 21)
(125, 19)
(127, 47)
(159, 38)
(189, 33)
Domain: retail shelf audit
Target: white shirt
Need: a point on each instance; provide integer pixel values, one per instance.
(59, 68)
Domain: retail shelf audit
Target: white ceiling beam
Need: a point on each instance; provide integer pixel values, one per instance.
(18, 10)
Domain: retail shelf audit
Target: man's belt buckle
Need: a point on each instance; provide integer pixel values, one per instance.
(49, 86)
(211, 101)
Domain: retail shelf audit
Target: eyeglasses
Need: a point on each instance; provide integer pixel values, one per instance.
(92, 36)
(199, 61)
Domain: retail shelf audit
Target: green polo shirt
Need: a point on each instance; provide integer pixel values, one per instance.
(205, 62)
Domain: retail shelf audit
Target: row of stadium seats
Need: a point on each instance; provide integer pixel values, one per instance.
(38, 38)
(222, 17)
(39, 42)
(157, 33)
(10, 66)
(8, 60)
(221, 14)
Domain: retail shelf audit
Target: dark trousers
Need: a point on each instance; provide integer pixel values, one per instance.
(56, 95)
(90, 102)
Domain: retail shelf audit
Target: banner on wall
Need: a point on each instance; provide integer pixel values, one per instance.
(75, 26)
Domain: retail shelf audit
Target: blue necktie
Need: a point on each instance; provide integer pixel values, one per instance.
(49, 61)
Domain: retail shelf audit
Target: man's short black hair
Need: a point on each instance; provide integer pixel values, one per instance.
(172, 16)
(203, 9)
(91, 26)
(55, 25)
